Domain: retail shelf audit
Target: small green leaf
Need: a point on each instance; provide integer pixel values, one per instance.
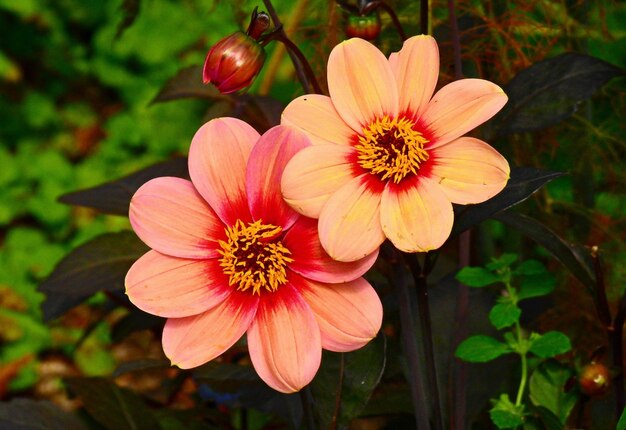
(621, 424)
(506, 415)
(530, 267)
(550, 344)
(505, 260)
(476, 277)
(547, 389)
(480, 349)
(504, 315)
(536, 285)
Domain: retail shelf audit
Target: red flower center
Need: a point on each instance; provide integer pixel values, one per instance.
(253, 258)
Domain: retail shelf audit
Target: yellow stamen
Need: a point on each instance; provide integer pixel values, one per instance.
(252, 258)
(391, 148)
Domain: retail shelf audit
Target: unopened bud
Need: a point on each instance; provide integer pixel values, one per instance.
(594, 379)
(366, 27)
(233, 63)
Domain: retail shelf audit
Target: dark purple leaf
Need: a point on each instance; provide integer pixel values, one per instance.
(28, 414)
(100, 264)
(187, 83)
(114, 197)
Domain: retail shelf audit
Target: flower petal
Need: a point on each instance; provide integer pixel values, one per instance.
(175, 287)
(361, 83)
(311, 261)
(460, 107)
(192, 341)
(265, 168)
(416, 68)
(349, 314)
(469, 170)
(313, 174)
(317, 117)
(217, 165)
(171, 217)
(349, 224)
(416, 215)
(284, 340)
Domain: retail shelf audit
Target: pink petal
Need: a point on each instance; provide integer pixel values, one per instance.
(460, 107)
(469, 170)
(316, 116)
(349, 314)
(311, 261)
(192, 341)
(416, 215)
(171, 217)
(175, 287)
(416, 68)
(361, 83)
(284, 340)
(313, 174)
(265, 168)
(217, 165)
(349, 225)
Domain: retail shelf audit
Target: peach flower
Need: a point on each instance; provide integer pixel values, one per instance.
(229, 257)
(388, 159)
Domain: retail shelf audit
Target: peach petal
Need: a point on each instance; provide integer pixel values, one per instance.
(171, 217)
(175, 287)
(349, 225)
(313, 174)
(311, 261)
(416, 68)
(460, 107)
(265, 168)
(416, 215)
(217, 165)
(469, 170)
(349, 314)
(317, 117)
(361, 83)
(284, 340)
(192, 341)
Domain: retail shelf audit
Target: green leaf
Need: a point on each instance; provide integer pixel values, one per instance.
(362, 370)
(480, 349)
(130, 10)
(536, 285)
(27, 414)
(476, 277)
(568, 254)
(505, 260)
(504, 315)
(621, 424)
(114, 197)
(113, 407)
(524, 181)
(530, 267)
(100, 264)
(550, 91)
(550, 344)
(547, 389)
(506, 415)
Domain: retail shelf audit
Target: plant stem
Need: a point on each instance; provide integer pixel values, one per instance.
(427, 338)
(305, 399)
(409, 340)
(335, 419)
(522, 384)
(394, 19)
(424, 11)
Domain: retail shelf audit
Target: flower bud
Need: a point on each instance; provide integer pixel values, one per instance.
(366, 27)
(233, 63)
(594, 379)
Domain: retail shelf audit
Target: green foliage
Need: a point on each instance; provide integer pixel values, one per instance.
(547, 389)
(480, 349)
(550, 344)
(505, 414)
(476, 277)
(621, 424)
(504, 315)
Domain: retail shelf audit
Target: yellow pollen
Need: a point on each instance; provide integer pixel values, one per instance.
(391, 148)
(252, 258)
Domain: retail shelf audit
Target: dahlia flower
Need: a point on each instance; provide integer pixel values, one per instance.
(229, 257)
(388, 158)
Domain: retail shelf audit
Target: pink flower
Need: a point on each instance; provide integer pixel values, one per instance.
(230, 257)
(388, 160)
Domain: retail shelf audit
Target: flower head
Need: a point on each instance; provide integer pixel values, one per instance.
(229, 257)
(388, 158)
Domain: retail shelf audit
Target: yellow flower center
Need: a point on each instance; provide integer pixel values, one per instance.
(391, 148)
(252, 258)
